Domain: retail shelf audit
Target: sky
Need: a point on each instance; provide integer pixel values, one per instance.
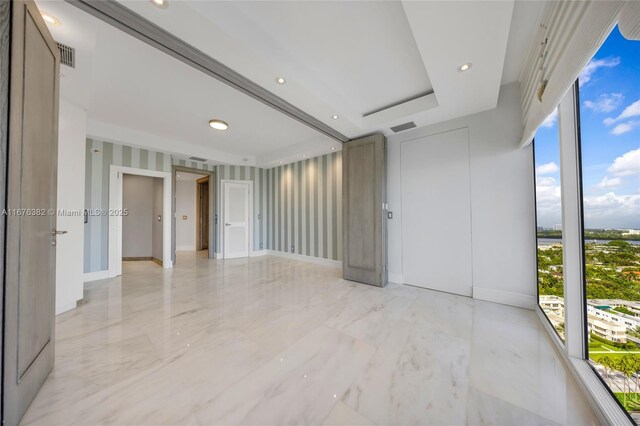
(610, 136)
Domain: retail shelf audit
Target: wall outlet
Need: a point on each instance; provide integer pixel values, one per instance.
(389, 215)
(261, 246)
(292, 249)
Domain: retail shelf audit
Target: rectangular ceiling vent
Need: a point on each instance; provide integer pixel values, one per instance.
(67, 55)
(405, 126)
(202, 160)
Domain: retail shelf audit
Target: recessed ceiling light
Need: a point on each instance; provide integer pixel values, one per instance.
(335, 116)
(304, 156)
(162, 4)
(464, 67)
(50, 19)
(218, 124)
(333, 148)
(281, 80)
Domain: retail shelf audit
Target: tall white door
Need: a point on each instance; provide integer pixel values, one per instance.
(236, 220)
(436, 212)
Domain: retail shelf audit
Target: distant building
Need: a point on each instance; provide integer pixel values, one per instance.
(632, 232)
(557, 227)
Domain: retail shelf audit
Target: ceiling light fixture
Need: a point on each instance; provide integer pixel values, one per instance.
(162, 4)
(335, 116)
(218, 124)
(281, 80)
(464, 67)
(50, 19)
(333, 148)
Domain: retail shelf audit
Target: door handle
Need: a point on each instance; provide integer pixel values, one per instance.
(227, 224)
(56, 232)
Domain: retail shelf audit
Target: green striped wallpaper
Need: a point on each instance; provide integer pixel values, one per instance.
(305, 207)
(296, 205)
(99, 157)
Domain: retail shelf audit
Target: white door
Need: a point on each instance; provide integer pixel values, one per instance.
(236, 220)
(436, 212)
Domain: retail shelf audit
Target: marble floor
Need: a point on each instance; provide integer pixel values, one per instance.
(268, 341)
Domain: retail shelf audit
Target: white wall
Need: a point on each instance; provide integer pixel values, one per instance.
(137, 225)
(186, 206)
(502, 202)
(71, 166)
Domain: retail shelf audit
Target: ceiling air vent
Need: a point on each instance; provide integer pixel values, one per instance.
(198, 159)
(67, 55)
(405, 126)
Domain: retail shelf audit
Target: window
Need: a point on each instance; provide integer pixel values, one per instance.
(610, 146)
(549, 222)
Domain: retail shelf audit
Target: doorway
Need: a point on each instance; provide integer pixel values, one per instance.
(142, 223)
(194, 218)
(202, 213)
(436, 212)
(117, 212)
(237, 218)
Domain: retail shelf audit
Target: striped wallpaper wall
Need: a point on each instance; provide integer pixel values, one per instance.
(298, 204)
(305, 207)
(99, 156)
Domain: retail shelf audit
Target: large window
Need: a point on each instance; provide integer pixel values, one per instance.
(610, 145)
(549, 222)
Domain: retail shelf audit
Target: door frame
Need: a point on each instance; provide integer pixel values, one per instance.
(249, 183)
(199, 222)
(115, 221)
(211, 253)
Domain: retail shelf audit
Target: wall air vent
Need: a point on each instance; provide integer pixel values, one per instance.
(405, 126)
(67, 55)
(198, 159)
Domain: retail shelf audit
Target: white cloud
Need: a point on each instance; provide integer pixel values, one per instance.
(628, 164)
(605, 102)
(623, 128)
(631, 111)
(593, 65)
(546, 169)
(548, 201)
(609, 182)
(551, 119)
(612, 211)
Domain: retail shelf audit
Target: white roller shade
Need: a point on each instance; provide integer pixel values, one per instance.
(629, 21)
(573, 31)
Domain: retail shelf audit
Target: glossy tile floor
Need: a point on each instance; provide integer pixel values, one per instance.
(275, 341)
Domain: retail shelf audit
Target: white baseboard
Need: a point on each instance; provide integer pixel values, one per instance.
(95, 276)
(185, 248)
(303, 258)
(396, 278)
(505, 297)
(257, 253)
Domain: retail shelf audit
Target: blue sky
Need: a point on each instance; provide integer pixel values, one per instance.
(610, 133)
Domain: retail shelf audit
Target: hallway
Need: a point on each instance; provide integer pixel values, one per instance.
(275, 341)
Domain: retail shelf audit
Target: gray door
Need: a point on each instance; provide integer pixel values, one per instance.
(31, 199)
(364, 163)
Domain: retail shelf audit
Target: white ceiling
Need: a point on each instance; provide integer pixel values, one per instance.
(339, 57)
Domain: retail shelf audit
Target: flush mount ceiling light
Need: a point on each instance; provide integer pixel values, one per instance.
(162, 4)
(218, 124)
(464, 67)
(281, 80)
(335, 117)
(50, 19)
(333, 148)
